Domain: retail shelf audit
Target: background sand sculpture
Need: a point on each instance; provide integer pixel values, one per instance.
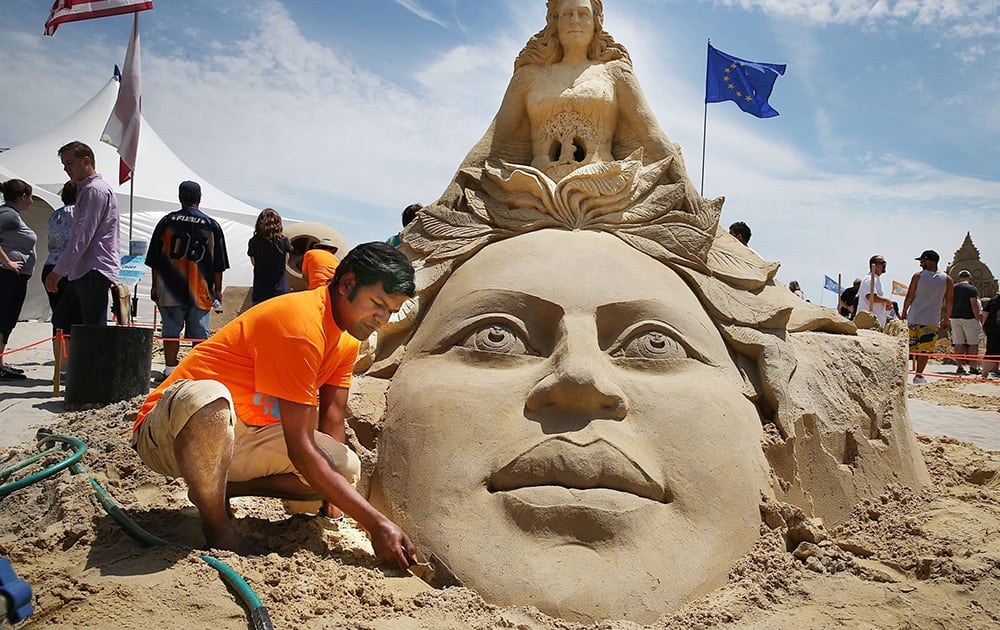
(565, 235)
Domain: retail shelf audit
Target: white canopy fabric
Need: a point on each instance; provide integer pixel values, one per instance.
(158, 173)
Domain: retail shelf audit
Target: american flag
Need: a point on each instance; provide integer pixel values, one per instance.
(73, 10)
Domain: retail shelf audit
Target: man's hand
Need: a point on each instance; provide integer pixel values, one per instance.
(392, 544)
(52, 282)
(298, 424)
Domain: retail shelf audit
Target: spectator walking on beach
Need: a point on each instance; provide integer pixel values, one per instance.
(187, 254)
(92, 258)
(258, 409)
(319, 264)
(871, 299)
(848, 305)
(59, 226)
(17, 261)
(409, 214)
(268, 250)
(966, 328)
(927, 309)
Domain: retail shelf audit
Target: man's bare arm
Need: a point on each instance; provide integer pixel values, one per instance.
(298, 423)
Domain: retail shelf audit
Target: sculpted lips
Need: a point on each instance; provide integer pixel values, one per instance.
(596, 465)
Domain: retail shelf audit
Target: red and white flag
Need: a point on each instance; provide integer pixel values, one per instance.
(73, 10)
(122, 129)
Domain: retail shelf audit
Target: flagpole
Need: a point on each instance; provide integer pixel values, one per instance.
(704, 125)
(840, 290)
(131, 197)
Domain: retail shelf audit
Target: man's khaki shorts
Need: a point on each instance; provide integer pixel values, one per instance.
(258, 451)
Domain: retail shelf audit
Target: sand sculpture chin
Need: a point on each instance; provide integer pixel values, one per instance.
(598, 386)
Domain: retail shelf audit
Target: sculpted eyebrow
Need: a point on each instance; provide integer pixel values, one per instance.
(501, 300)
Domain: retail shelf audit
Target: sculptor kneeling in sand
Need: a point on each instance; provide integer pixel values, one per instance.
(258, 408)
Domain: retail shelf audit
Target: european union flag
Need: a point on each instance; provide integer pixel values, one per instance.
(831, 285)
(746, 83)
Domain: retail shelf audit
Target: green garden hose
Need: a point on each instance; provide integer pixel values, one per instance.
(43, 440)
(259, 617)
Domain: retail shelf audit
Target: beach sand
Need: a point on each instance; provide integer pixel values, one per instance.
(905, 559)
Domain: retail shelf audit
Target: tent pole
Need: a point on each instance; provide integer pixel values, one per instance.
(131, 195)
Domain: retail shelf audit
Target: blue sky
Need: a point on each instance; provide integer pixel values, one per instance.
(345, 112)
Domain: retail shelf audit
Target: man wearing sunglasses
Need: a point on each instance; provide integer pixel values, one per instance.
(870, 295)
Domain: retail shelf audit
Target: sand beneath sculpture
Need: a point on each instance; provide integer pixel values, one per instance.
(928, 559)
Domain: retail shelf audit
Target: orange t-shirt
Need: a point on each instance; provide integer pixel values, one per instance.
(286, 347)
(318, 266)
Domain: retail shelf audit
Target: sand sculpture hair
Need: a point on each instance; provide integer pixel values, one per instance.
(830, 402)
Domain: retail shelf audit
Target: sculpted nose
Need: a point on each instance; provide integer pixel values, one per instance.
(580, 385)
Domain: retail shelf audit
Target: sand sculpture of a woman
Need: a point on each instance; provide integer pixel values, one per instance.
(601, 385)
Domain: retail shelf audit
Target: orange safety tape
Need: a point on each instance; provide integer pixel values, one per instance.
(31, 345)
(964, 357)
(972, 378)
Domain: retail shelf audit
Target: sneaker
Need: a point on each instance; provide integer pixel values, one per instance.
(960, 370)
(975, 370)
(8, 374)
(16, 370)
(919, 379)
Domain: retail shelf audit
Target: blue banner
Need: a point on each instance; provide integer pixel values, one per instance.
(132, 271)
(746, 83)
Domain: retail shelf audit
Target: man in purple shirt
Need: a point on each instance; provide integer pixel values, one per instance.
(91, 260)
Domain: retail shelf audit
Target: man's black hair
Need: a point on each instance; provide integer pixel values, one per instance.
(410, 213)
(377, 262)
(742, 229)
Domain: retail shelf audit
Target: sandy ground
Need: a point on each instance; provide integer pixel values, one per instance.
(928, 559)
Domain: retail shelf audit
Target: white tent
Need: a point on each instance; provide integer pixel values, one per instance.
(158, 173)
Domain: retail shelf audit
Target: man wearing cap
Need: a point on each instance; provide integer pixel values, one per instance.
(187, 253)
(927, 308)
(319, 263)
(965, 327)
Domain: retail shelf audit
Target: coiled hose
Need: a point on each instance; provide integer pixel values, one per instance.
(259, 618)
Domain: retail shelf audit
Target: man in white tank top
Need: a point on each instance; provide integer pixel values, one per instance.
(927, 308)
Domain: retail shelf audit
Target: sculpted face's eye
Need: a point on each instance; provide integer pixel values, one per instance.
(497, 338)
(644, 341)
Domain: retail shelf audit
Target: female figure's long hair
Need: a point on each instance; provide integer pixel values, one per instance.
(544, 47)
(267, 232)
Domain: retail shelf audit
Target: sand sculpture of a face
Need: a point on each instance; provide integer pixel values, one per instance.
(546, 427)
(599, 384)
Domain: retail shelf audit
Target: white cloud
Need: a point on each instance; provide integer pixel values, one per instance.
(417, 9)
(964, 18)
